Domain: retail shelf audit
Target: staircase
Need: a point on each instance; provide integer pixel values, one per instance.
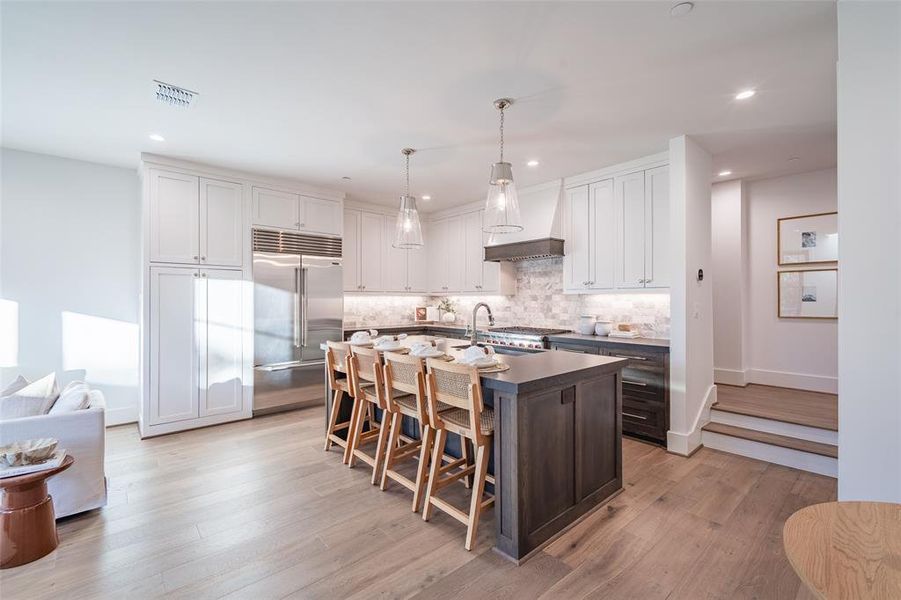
(788, 427)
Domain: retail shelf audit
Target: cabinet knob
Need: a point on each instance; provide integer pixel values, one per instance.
(196, 257)
(648, 280)
(302, 225)
(297, 223)
(203, 274)
(203, 258)
(196, 274)
(641, 281)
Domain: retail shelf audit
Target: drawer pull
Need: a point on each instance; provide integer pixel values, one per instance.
(630, 357)
(630, 415)
(630, 382)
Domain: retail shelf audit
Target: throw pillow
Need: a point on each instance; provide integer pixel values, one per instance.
(75, 396)
(34, 399)
(15, 386)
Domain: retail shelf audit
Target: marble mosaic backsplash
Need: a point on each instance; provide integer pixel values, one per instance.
(539, 302)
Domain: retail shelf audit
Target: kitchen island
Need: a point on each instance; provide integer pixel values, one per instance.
(557, 442)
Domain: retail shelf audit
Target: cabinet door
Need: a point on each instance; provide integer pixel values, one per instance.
(174, 331)
(394, 260)
(372, 228)
(603, 240)
(455, 252)
(221, 349)
(656, 253)
(472, 252)
(418, 266)
(437, 257)
(222, 223)
(630, 230)
(275, 209)
(577, 262)
(350, 246)
(174, 217)
(320, 216)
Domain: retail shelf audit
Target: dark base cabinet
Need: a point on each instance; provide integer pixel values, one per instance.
(555, 459)
(645, 385)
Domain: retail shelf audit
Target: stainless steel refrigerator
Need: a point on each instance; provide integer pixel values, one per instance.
(298, 305)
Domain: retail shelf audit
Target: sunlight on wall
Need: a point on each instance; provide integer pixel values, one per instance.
(106, 349)
(9, 333)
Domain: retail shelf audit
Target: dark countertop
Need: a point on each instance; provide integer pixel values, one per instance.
(529, 372)
(604, 340)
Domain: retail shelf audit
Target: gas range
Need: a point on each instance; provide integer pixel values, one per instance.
(527, 339)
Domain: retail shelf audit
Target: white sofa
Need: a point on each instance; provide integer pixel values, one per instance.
(82, 486)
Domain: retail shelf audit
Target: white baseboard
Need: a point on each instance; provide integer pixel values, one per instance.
(799, 432)
(798, 381)
(730, 377)
(788, 457)
(686, 443)
(121, 416)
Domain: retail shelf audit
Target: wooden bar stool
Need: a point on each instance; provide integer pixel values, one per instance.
(458, 386)
(366, 368)
(337, 360)
(405, 395)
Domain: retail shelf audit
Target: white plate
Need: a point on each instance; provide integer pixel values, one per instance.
(482, 363)
(389, 347)
(432, 354)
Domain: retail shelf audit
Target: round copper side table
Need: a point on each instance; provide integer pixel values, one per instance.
(27, 520)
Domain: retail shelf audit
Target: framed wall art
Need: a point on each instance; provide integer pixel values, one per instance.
(807, 239)
(811, 294)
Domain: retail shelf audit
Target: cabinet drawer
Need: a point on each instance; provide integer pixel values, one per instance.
(644, 419)
(579, 348)
(637, 358)
(644, 384)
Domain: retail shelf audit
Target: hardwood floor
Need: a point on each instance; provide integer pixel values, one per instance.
(257, 510)
(814, 409)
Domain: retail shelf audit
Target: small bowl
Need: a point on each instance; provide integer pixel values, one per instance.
(603, 327)
(29, 452)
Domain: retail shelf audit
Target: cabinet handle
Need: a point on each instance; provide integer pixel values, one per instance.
(630, 382)
(196, 257)
(639, 417)
(203, 258)
(302, 225)
(203, 274)
(196, 274)
(297, 223)
(629, 357)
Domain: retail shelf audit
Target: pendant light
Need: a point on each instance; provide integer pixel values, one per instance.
(408, 232)
(502, 205)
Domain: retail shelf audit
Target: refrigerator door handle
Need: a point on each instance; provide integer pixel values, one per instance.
(297, 317)
(306, 306)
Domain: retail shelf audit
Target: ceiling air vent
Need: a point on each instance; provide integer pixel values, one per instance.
(173, 95)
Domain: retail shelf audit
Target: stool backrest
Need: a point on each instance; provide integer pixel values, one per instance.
(458, 386)
(366, 367)
(405, 374)
(337, 358)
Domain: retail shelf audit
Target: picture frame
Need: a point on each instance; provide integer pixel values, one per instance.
(807, 239)
(807, 294)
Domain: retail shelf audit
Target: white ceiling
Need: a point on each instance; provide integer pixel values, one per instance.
(318, 91)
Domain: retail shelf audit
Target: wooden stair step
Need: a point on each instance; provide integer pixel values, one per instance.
(799, 407)
(773, 439)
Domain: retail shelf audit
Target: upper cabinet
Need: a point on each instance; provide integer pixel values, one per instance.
(285, 210)
(195, 220)
(618, 232)
(372, 263)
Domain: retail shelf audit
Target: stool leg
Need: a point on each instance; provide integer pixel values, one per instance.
(391, 450)
(380, 446)
(437, 454)
(352, 427)
(475, 507)
(466, 453)
(422, 469)
(333, 419)
(358, 431)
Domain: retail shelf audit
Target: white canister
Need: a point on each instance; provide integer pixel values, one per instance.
(603, 327)
(586, 324)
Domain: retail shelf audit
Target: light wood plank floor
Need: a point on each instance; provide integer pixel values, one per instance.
(814, 409)
(257, 510)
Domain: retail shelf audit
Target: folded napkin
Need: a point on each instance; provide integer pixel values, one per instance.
(389, 340)
(427, 348)
(363, 336)
(623, 334)
(476, 354)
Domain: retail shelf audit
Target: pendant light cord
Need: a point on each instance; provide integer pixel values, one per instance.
(502, 134)
(407, 192)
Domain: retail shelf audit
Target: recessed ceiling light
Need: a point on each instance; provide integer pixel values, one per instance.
(744, 95)
(156, 137)
(725, 173)
(794, 158)
(681, 9)
(426, 197)
(346, 178)
(532, 163)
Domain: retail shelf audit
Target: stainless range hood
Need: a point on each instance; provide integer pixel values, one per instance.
(542, 233)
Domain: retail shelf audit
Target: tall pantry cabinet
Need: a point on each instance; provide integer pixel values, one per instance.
(196, 288)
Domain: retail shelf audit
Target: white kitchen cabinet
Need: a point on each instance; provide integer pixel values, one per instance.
(657, 226)
(473, 252)
(372, 234)
(175, 330)
(272, 208)
(418, 266)
(221, 223)
(630, 230)
(447, 254)
(394, 260)
(350, 250)
(221, 347)
(196, 344)
(174, 214)
(455, 254)
(590, 245)
(320, 216)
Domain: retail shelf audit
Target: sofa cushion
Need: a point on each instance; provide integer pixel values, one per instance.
(34, 399)
(15, 386)
(75, 396)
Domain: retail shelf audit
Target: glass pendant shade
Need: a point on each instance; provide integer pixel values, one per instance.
(408, 231)
(501, 205)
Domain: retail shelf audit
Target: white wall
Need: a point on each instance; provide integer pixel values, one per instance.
(729, 277)
(691, 379)
(869, 204)
(70, 268)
